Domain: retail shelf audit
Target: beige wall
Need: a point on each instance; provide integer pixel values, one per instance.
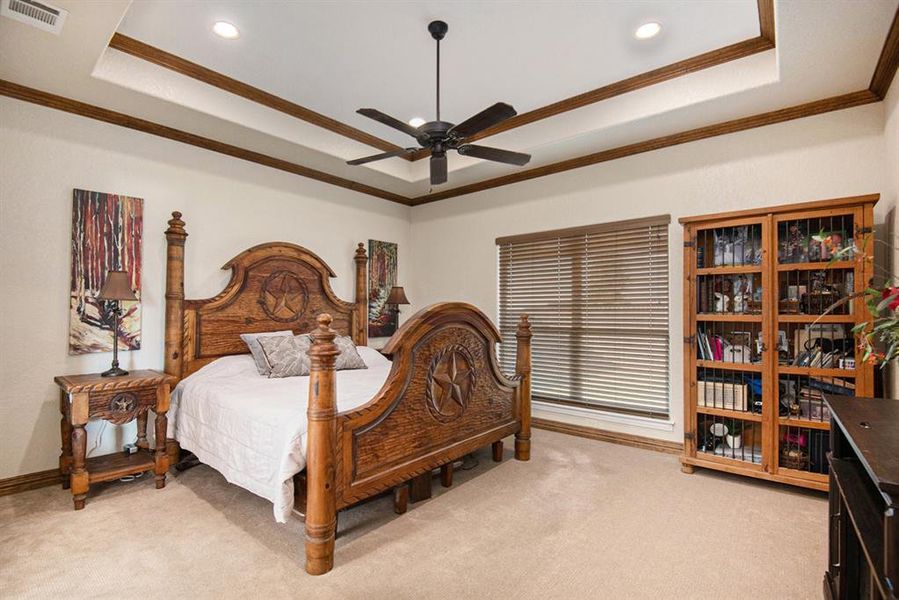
(836, 154)
(447, 253)
(228, 205)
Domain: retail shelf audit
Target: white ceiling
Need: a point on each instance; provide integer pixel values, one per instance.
(335, 57)
(343, 55)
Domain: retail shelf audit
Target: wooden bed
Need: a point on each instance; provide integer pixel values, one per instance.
(444, 397)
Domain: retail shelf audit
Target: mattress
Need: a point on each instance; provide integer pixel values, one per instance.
(252, 429)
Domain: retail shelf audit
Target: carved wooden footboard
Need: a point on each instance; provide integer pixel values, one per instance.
(445, 397)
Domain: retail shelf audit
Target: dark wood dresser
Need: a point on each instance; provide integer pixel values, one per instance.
(863, 559)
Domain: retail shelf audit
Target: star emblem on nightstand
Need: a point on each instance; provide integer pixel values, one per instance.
(283, 296)
(450, 383)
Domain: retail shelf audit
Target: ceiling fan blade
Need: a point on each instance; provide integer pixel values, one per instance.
(488, 117)
(495, 154)
(380, 117)
(438, 168)
(383, 155)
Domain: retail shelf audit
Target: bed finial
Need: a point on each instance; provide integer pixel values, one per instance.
(523, 371)
(360, 325)
(176, 226)
(321, 501)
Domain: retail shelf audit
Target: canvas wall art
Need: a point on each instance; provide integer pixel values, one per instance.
(382, 321)
(107, 231)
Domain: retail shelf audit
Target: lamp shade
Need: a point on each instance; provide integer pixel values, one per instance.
(397, 296)
(117, 287)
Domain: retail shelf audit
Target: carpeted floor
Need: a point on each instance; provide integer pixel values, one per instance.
(582, 519)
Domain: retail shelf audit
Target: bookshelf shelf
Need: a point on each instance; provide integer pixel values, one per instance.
(816, 266)
(729, 317)
(814, 372)
(791, 422)
(735, 270)
(730, 414)
(758, 360)
(850, 319)
(729, 366)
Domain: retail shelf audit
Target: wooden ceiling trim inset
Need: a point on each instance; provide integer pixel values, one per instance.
(90, 111)
(888, 62)
(768, 118)
(713, 58)
(766, 20)
(180, 65)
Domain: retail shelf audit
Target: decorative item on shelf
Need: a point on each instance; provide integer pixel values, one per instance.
(734, 435)
(116, 288)
(397, 296)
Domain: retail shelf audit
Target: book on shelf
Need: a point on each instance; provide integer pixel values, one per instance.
(720, 394)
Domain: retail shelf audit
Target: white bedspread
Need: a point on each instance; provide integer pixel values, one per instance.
(252, 429)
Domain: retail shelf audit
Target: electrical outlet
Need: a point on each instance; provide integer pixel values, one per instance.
(130, 448)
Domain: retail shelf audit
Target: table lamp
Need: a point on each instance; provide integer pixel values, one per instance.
(116, 288)
(396, 297)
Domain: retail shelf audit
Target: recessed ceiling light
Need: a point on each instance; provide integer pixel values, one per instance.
(226, 30)
(648, 30)
(417, 122)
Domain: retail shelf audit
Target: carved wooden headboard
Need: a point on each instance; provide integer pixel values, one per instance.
(273, 287)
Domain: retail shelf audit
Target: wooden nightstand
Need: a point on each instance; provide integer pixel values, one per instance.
(117, 400)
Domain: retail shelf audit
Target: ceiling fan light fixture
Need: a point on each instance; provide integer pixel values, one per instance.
(648, 30)
(439, 136)
(226, 30)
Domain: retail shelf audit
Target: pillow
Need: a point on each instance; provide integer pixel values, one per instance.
(286, 356)
(349, 356)
(252, 342)
(372, 357)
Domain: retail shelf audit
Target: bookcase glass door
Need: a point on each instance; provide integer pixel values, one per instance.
(817, 277)
(730, 340)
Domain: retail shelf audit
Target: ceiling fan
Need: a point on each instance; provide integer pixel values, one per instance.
(439, 136)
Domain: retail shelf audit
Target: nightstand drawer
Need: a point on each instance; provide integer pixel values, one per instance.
(121, 406)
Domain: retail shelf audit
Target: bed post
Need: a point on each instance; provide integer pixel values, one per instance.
(523, 371)
(174, 308)
(321, 511)
(360, 328)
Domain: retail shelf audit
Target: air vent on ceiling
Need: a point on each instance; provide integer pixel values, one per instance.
(43, 16)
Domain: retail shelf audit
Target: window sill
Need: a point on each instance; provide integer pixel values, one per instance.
(600, 416)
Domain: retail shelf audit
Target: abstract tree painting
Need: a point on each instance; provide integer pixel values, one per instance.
(107, 231)
(381, 277)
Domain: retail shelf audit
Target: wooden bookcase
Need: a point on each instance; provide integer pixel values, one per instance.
(758, 355)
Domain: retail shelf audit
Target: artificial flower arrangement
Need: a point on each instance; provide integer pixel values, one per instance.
(882, 303)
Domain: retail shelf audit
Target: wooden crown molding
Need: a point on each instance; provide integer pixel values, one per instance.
(888, 62)
(768, 118)
(764, 42)
(883, 76)
(20, 92)
(149, 53)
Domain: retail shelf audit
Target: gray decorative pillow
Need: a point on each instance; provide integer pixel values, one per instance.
(286, 356)
(349, 357)
(252, 342)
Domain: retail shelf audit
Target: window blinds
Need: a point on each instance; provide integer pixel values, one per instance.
(597, 298)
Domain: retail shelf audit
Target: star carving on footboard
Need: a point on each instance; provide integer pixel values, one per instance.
(451, 380)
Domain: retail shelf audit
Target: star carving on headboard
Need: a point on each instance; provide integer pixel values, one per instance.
(283, 296)
(450, 383)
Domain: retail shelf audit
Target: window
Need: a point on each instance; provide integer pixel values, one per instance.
(597, 298)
